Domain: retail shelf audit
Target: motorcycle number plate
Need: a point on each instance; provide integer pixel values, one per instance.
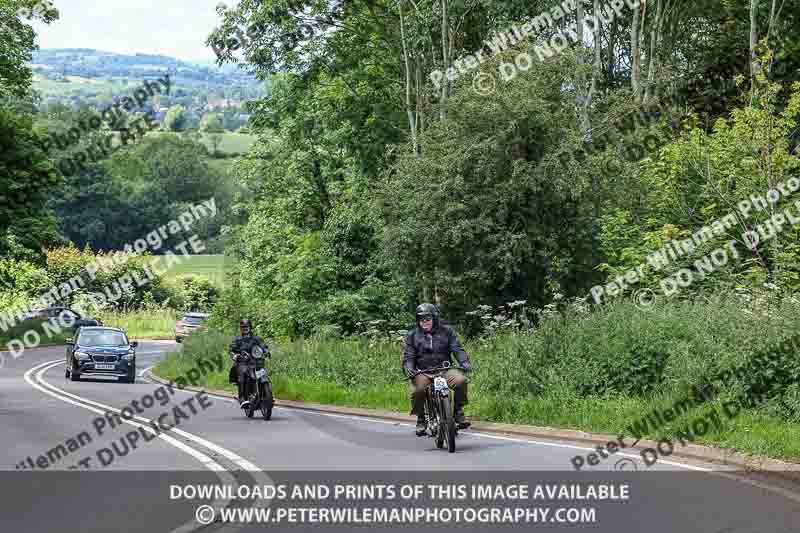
(439, 384)
(105, 367)
(261, 373)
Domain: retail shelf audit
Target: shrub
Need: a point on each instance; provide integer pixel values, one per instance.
(21, 279)
(197, 293)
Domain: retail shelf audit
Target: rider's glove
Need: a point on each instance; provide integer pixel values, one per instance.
(409, 372)
(466, 366)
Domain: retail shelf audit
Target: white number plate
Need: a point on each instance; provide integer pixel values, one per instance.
(439, 384)
(104, 367)
(261, 373)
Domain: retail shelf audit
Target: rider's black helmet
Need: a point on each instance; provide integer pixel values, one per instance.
(245, 324)
(428, 311)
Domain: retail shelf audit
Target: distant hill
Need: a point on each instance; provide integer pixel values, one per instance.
(79, 77)
(89, 63)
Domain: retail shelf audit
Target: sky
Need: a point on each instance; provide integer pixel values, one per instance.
(176, 28)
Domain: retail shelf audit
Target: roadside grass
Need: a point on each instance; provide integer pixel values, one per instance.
(143, 324)
(363, 373)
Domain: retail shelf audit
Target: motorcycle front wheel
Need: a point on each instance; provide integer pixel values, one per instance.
(266, 401)
(251, 408)
(436, 417)
(448, 427)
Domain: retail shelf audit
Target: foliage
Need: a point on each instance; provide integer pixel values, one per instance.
(17, 43)
(211, 123)
(700, 178)
(176, 118)
(21, 279)
(196, 293)
(26, 180)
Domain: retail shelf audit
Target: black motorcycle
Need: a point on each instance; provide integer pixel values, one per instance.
(438, 408)
(257, 385)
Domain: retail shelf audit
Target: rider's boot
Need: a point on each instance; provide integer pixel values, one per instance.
(460, 398)
(243, 402)
(422, 425)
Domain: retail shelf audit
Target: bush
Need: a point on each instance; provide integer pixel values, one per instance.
(196, 293)
(21, 279)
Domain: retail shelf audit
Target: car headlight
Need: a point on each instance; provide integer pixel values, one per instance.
(82, 356)
(129, 356)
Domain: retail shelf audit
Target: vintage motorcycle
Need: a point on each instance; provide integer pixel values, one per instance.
(258, 387)
(438, 407)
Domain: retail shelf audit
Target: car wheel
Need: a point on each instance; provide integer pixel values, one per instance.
(73, 374)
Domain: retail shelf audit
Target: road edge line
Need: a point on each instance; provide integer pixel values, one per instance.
(705, 454)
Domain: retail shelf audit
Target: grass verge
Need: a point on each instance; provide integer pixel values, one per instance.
(363, 373)
(148, 324)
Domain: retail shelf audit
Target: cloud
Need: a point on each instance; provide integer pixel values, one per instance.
(176, 28)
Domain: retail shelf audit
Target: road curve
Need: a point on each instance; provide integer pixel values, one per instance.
(40, 411)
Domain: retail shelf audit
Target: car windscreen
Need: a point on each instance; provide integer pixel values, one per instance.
(193, 320)
(102, 338)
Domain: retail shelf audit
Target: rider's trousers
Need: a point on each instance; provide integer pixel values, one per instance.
(455, 380)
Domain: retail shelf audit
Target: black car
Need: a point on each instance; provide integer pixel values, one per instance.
(67, 315)
(101, 351)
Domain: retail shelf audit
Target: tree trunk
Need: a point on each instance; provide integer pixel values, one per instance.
(612, 55)
(445, 58)
(412, 119)
(652, 61)
(753, 43)
(636, 55)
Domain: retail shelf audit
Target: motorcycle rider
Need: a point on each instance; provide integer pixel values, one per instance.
(429, 345)
(240, 345)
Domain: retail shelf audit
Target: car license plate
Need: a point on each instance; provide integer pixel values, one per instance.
(104, 367)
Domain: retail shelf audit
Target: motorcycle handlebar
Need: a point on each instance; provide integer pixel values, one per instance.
(431, 370)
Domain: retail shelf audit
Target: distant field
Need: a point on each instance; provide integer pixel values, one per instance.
(232, 143)
(211, 266)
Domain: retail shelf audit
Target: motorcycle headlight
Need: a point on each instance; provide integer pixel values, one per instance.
(82, 356)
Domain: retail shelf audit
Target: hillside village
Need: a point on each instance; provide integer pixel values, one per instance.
(85, 77)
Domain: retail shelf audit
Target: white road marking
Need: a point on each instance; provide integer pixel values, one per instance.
(366, 418)
(64, 397)
(785, 493)
(259, 476)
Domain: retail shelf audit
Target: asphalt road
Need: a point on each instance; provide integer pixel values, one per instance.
(40, 411)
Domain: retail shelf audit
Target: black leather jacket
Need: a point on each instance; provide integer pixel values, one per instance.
(430, 350)
(245, 343)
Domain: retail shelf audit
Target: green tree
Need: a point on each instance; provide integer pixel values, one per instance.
(176, 118)
(17, 44)
(211, 123)
(27, 178)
